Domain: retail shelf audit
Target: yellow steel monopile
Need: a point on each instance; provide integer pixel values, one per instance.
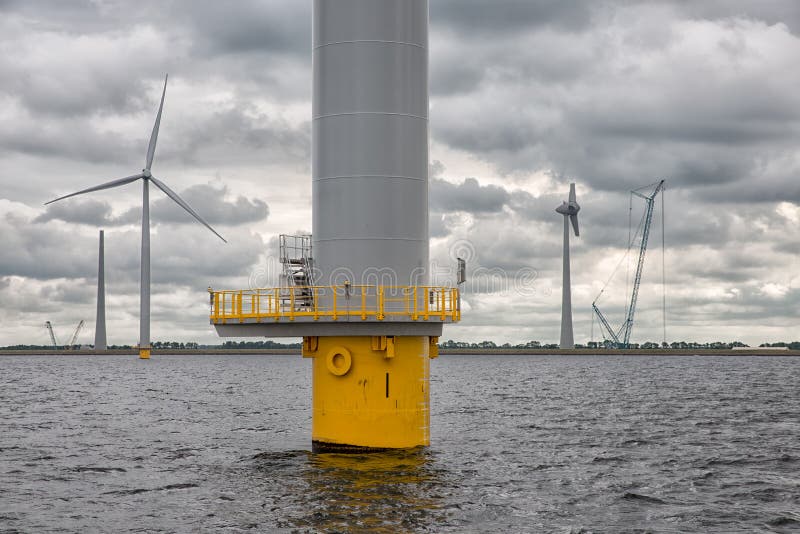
(370, 392)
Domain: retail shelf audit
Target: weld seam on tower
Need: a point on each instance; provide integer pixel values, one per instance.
(370, 41)
(352, 113)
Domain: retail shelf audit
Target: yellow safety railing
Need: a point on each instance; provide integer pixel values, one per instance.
(364, 302)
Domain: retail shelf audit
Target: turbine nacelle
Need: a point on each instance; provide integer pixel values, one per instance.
(570, 209)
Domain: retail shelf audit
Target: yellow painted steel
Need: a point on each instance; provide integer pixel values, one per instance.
(365, 397)
(144, 353)
(414, 303)
(433, 350)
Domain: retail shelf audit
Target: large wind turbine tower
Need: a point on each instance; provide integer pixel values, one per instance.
(369, 320)
(570, 212)
(100, 322)
(147, 178)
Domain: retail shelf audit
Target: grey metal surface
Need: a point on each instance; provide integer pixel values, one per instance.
(328, 329)
(144, 270)
(370, 141)
(100, 318)
(570, 212)
(567, 338)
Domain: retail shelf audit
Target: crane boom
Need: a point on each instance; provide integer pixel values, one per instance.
(605, 324)
(49, 327)
(650, 201)
(622, 337)
(75, 335)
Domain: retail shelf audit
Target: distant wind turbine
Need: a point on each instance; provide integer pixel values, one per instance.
(570, 212)
(100, 321)
(146, 177)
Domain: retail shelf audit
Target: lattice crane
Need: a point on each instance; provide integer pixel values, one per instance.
(49, 327)
(622, 336)
(75, 335)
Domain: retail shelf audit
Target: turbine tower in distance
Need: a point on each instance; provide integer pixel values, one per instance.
(146, 177)
(100, 322)
(570, 212)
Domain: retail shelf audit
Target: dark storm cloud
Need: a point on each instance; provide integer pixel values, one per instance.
(213, 27)
(197, 259)
(242, 133)
(69, 138)
(471, 16)
(52, 71)
(88, 211)
(792, 249)
(43, 251)
(749, 305)
(207, 200)
(110, 53)
(699, 101)
(68, 293)
(698, 240)
(181, 256)
(763, 186)
(271, 27)
(467, 196)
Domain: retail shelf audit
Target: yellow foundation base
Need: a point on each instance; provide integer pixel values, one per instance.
(369, 392)
(144, 354)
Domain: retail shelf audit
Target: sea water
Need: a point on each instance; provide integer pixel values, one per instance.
(518, 444)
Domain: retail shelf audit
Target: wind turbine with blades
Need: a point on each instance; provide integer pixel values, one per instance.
(146, 177)
(570, 212)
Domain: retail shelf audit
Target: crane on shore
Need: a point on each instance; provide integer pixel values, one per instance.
(72, 340)
(620, 338)
(49, 327)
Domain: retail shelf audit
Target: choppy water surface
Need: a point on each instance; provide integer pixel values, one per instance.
(520, 444)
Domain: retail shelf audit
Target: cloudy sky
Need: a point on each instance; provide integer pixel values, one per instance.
(526, 97)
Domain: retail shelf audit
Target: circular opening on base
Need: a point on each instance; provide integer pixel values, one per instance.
(339, 361)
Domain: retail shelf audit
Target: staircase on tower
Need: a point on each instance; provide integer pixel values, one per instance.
(297, 264)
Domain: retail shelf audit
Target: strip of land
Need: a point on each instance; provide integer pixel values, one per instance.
(754, 351)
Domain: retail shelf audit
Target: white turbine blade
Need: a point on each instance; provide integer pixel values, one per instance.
(107, 185)
(574, 220)
(151, 148)
(572, 193)
(178, 200)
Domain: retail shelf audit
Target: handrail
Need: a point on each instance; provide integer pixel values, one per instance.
(363, 302)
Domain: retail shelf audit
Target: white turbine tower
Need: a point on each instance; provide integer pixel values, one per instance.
(146, 177)
(570, 212)
(100, 321)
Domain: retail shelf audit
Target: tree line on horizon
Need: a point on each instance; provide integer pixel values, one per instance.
(449, 344)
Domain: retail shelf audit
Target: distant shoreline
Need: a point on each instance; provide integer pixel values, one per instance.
(755, 351)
